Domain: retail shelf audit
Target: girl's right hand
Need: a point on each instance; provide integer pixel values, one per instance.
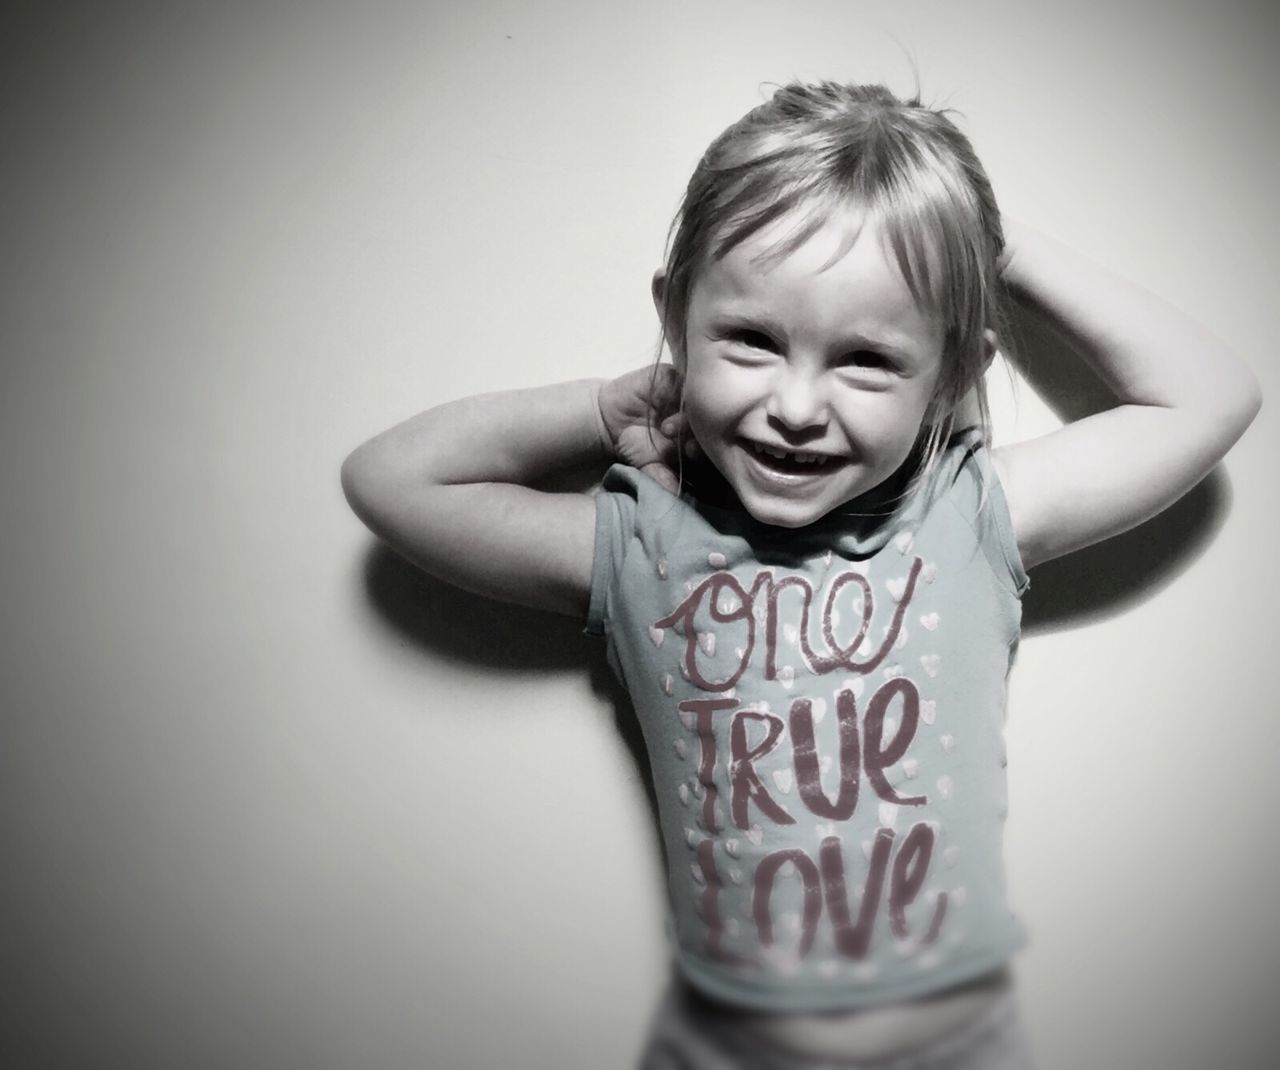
(642, 423)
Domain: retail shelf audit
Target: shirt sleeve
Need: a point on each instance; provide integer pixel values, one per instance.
(978, 495)
(616, 508)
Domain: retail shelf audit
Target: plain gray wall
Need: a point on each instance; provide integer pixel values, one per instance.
(268, 798)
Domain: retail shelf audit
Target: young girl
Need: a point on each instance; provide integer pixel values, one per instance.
(808, 564)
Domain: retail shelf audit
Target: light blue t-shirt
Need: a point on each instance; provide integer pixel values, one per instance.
(824, 715)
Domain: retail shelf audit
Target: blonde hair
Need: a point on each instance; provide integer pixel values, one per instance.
(812, 148)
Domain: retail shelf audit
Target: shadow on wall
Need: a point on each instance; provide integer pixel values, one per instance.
(1106, 579)
(1111, 576)
(497, 638)
(467, 629)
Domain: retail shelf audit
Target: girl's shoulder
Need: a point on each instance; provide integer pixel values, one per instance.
(634, 515)
(966, 486)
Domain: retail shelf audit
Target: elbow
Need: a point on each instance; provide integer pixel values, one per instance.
(377, 483)
(359, 479)
(350, 477)
(1226, 391)
(1219, 408)
(1255, 398)
(1248, 401)
(1234, 406)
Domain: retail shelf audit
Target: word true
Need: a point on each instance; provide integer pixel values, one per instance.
(872, 755)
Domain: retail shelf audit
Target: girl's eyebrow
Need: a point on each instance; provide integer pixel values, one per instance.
(859, 341)
(746, 321)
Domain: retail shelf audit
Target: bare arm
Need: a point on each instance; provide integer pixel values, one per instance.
(449, 489)
(1184, 399)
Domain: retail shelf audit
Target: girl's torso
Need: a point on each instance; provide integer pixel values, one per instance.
(823, 714)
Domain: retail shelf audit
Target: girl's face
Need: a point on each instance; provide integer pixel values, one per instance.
(807, 378)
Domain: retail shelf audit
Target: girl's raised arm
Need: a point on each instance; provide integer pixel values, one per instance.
(1184, 400)
(450, 489)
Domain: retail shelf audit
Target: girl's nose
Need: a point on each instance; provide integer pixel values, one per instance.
(796, 400)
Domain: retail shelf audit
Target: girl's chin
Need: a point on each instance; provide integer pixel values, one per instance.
(776, 518)
(784, 510)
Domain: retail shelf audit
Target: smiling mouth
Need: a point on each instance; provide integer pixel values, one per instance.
(792, 462)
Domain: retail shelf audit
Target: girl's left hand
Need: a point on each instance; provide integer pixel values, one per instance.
(1182, 399)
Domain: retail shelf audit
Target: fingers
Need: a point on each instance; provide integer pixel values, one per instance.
(676, 428)
(673, 438)
(666, 390)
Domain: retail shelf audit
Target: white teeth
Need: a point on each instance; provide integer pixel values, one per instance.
(784, 455)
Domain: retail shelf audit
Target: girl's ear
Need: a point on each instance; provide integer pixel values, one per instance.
(990, 343)
(658, 288)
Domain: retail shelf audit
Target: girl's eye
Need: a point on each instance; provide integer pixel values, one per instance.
(866, 359)
(754, 340)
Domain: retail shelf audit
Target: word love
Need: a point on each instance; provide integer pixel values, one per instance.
(872, 754)
(824, 882)
(727, 602)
